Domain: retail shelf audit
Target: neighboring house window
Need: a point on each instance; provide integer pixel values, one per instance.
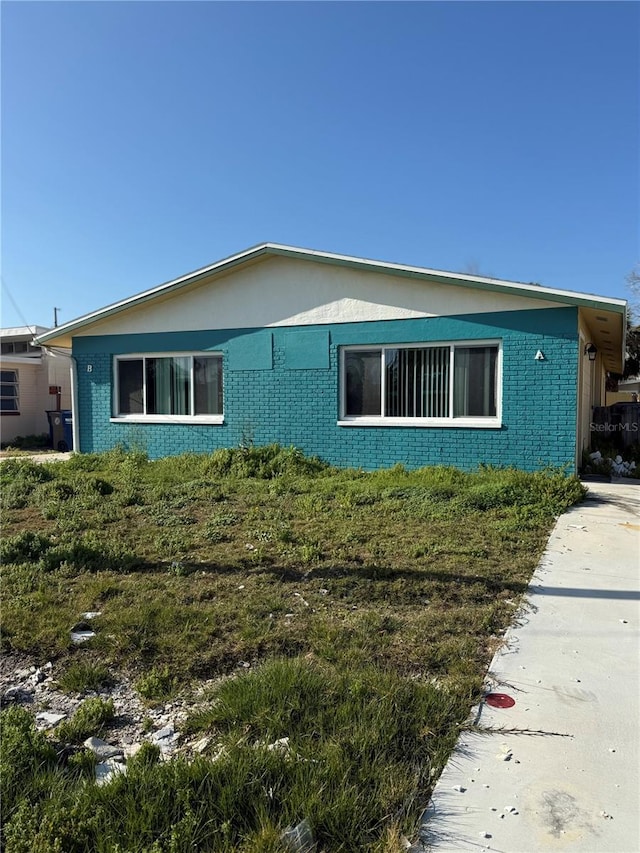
(18, 348)
(169, 387)
(423, 385)
(9, 399)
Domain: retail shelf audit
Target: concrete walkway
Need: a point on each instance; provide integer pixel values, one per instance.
(559, 769)
(49, 456)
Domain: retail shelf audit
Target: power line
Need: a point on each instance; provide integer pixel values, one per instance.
(16, 307)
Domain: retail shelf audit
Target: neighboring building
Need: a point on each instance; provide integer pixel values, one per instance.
(361, 362)
(628, 391)
(28, 373)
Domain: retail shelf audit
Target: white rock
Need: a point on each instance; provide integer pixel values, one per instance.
(108, 770)
(102, 749)
(81, 636)
(91, 614)
(163, 733)
(15, 692)
(202, 744)
(49, 718)
(280, 745)
(38, 677)
(299, 839)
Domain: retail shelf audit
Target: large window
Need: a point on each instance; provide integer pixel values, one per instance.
(444, 384)
(169, 387)
(9, 399)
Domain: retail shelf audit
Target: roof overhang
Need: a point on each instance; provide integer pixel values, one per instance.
(23, 331)
(607, 330)
(62, 335)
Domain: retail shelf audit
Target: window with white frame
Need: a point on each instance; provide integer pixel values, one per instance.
(9, 387)
(436, 384)
(169, 387)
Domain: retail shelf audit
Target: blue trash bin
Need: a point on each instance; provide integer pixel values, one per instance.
(61, 429)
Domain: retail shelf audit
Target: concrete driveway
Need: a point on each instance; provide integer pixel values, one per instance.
(558, 769)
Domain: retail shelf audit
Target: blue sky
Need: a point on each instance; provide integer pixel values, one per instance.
(144, 140)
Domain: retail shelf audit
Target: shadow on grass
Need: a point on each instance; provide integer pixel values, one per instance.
(379, 574)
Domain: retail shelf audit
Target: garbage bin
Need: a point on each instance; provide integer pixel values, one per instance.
(61, 429)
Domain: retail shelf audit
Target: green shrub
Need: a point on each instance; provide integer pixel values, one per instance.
(18, 480)
(24, 753)
(25, 546)
(158, 683)
(264, 463)
(90, 719)
(41, 441)
(147, 756)
(82, 764)
(89, 553)
(489, 495)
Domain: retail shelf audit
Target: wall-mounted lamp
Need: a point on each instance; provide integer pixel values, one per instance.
(591, 350)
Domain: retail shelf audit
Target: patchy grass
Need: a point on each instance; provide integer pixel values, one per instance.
(90, 719)
(81, 675)
(367, 604)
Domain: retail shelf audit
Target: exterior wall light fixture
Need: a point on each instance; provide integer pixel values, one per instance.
(591, 350)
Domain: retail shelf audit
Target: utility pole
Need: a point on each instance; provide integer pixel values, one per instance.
(55, 316)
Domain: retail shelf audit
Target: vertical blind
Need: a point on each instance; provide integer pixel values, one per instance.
(417, 383)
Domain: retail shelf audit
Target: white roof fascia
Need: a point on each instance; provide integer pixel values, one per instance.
(532, 290)
(20, 360)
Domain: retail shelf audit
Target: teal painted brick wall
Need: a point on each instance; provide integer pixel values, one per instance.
(300, 406)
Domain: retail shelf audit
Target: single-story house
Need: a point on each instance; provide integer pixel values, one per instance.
(34, 380)
(361, 362)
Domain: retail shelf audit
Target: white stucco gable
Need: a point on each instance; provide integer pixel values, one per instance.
(281, 291)
(272, 285)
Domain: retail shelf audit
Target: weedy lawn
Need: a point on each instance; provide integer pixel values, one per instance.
(368, 606)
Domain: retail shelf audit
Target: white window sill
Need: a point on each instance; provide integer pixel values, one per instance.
(476, 423)
(192, 420)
